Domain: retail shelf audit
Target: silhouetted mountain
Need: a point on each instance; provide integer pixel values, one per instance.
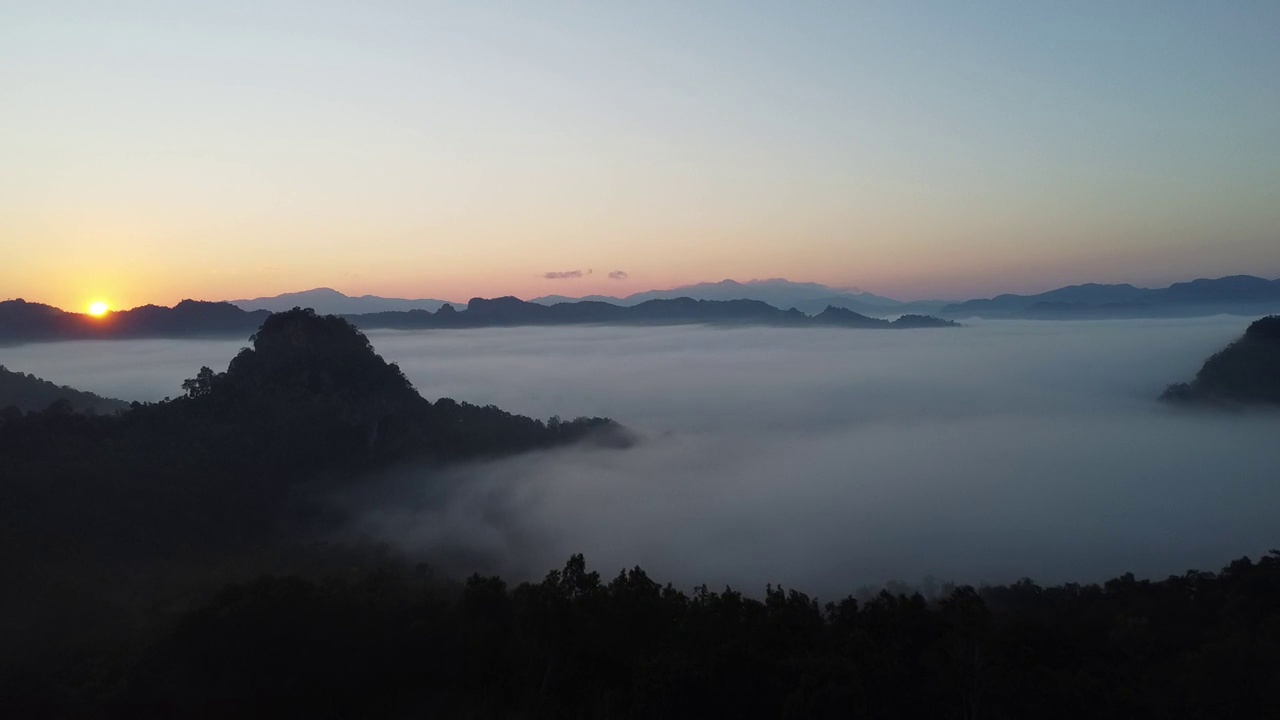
(774, 291)
(246, 457)
(330, 301)
(322, 374)
(509, 311)
(1234, 295)
(28, 392)
(24, 322)
(557, 299)
(847, 318)
(187, 318)
(21, 321)
(98, 509)
(810, 298)
(1245, 372)
(922, 321)
(873, 308)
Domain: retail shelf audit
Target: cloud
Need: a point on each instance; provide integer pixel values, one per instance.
(618, 275)
(562, 275)
(828, 460)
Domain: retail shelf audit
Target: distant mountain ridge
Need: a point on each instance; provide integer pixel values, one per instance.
(328, 301)
(21, 321)
(1236, 294)
(1232, 295)
(512, 311)
(810, 298)
(807, 297)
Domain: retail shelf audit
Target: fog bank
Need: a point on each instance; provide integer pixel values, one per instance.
(821, 459)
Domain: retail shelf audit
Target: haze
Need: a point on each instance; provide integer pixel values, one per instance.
(822, 459)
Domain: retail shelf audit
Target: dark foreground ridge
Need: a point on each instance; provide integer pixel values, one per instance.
(21, 321)
(385, 640)
(309, 405)
(1246, 372)
(97, 511)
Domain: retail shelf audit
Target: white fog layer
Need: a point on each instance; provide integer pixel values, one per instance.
(823, 459)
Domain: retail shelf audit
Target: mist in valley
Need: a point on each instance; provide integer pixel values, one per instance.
(820, 459)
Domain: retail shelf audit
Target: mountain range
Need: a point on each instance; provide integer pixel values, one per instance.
(760, 302)
(1232, 295)
(21, 321)
(1237, 295)
(809, 298)
(508, 311)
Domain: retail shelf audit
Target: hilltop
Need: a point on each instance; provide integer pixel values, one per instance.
(27, 393)
(1245, 372)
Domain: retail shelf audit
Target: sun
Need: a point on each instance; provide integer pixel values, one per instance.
(98, 309)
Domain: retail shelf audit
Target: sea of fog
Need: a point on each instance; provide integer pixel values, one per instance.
(822, 459)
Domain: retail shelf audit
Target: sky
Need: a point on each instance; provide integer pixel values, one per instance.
(151, 152)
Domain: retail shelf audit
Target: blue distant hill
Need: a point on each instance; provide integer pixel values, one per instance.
(809, 298)
(1232, 295)
(331, 302)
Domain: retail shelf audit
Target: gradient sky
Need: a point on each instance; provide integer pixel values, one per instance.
(155, 151)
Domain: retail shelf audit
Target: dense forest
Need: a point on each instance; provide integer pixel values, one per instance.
(1246, 372)
(387, 639)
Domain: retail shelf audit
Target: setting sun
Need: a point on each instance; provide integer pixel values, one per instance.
(98, 309)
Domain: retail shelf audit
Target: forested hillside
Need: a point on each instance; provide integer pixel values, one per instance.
(23, 392)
